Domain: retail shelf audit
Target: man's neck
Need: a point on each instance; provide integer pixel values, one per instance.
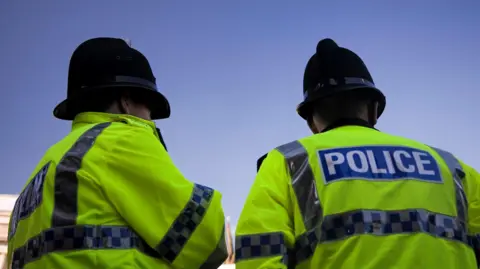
(346, 122)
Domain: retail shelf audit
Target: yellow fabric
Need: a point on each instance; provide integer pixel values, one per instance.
(127, 178)
(268, 209)
(271, 207)
(472, 190)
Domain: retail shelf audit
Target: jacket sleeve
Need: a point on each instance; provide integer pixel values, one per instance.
(182, 221)
(265, 228)
(472, 190)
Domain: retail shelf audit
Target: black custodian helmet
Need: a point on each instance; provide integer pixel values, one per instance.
(102, 64)
(332, 70)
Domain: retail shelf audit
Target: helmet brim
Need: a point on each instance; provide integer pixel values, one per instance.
(305, 107)
(158, 103)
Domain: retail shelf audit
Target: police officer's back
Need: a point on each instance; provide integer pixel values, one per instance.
(108, 195)
(350, 196)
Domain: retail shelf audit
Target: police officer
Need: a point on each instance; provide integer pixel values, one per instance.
(108, 195)
(350, 196)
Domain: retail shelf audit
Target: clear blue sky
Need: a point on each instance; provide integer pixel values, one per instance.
(233, 72)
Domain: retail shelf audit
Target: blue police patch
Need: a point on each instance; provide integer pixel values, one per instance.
(379, 163)
(29, 199)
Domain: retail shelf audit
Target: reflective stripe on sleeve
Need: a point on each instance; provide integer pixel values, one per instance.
(66, 182)
(303, 183)
(186, 223)
(305, 188)
(458, 175)
(260, 246)
(81, 237)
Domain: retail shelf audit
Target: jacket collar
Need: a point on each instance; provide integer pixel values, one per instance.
(348, 122)
(98, 117)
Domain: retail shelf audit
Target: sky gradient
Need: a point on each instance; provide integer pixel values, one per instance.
(233, 70)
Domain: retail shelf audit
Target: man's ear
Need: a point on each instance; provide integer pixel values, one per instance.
(312, 126)
(125, 104)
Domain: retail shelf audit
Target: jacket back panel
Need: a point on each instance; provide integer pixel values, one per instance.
(358, 169)
(76, 165)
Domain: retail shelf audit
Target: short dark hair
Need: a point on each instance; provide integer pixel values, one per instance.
(349, 104)
(102, 101)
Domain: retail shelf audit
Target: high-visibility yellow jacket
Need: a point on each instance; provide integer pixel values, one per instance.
(354, 197)
(109, 196)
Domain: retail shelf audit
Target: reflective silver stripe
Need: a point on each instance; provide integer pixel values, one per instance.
(380, 223)
(260, 246)
(186, 223)
(81, 237)
(458, 175)
(66, 182)
(303, 183)
(218, 256)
